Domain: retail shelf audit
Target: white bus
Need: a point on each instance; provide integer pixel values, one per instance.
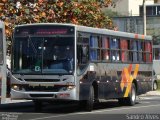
(156, 65)
(53, 61)
(2, 64)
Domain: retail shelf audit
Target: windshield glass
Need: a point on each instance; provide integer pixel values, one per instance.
(43, 55)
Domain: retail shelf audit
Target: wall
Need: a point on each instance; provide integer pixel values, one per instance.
(121, 7)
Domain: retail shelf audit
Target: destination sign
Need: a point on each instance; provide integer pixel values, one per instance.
(44, 30)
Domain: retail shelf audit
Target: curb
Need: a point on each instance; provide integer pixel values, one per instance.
(151, 93)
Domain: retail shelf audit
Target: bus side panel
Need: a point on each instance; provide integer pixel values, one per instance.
(110, 81)
(107, 85)
(85, 84)
(123, 77)
(143, 86)
(84, 91)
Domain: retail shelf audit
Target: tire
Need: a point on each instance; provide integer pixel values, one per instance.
(131, 100)
(155, 85)
(90, 102)
(37, 106)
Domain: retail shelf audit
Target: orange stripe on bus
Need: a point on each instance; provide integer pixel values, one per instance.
(130, 68)
(142, 36)
(136, 71)
(127, 78)
(136, 36)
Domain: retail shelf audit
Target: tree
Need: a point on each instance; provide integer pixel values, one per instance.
(81, 12)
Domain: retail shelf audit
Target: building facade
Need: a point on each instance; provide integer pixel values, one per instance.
(135, 24)
(151, 10)
(129, 7)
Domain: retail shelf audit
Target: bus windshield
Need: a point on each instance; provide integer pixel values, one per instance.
(44, 54)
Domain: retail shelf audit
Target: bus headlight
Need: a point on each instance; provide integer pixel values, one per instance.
(16, 87)
(67, 88)
(70, 87)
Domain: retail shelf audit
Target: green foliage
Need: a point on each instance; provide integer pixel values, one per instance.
(85, 12)
(81, 12)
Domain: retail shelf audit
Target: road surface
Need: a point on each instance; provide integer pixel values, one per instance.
(146, 108)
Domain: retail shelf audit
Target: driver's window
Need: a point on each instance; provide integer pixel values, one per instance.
(82, 52)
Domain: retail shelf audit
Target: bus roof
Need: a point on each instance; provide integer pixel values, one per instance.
(96, 30)
(113, 33)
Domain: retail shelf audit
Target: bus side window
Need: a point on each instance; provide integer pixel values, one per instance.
(139, 45)
(115, 51)
(105, 48)
(95, 44)
(143, 52)
(148, 52)
(133, 48)
(156, 54)
(124, 50)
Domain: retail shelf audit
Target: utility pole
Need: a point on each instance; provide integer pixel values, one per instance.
(144, 17)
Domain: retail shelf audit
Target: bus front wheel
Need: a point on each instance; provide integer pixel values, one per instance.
(90, 101)
(88, 104)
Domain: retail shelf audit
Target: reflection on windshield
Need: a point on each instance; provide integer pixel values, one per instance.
(44, 55)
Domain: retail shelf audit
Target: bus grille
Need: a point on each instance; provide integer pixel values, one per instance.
(43, 88)
(41, 95)
(42, 80)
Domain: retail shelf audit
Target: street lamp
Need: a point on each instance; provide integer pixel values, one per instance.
(144, 17)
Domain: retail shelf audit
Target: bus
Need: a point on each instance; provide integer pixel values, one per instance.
(67, 62)
(2, 64)
(156, 65)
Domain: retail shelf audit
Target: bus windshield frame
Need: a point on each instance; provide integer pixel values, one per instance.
(43, 50)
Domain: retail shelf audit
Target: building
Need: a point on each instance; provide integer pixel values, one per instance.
(151, 10)
(134, 24)
(156, 1)
(129, 7)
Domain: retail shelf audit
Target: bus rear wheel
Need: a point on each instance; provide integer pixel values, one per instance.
(131, 100)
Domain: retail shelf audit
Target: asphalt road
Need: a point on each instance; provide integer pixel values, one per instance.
(146, 108)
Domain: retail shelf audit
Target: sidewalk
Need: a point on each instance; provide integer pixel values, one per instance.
(151, 93)
(16, 104)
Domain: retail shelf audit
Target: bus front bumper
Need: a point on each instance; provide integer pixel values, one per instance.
(64, 95)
